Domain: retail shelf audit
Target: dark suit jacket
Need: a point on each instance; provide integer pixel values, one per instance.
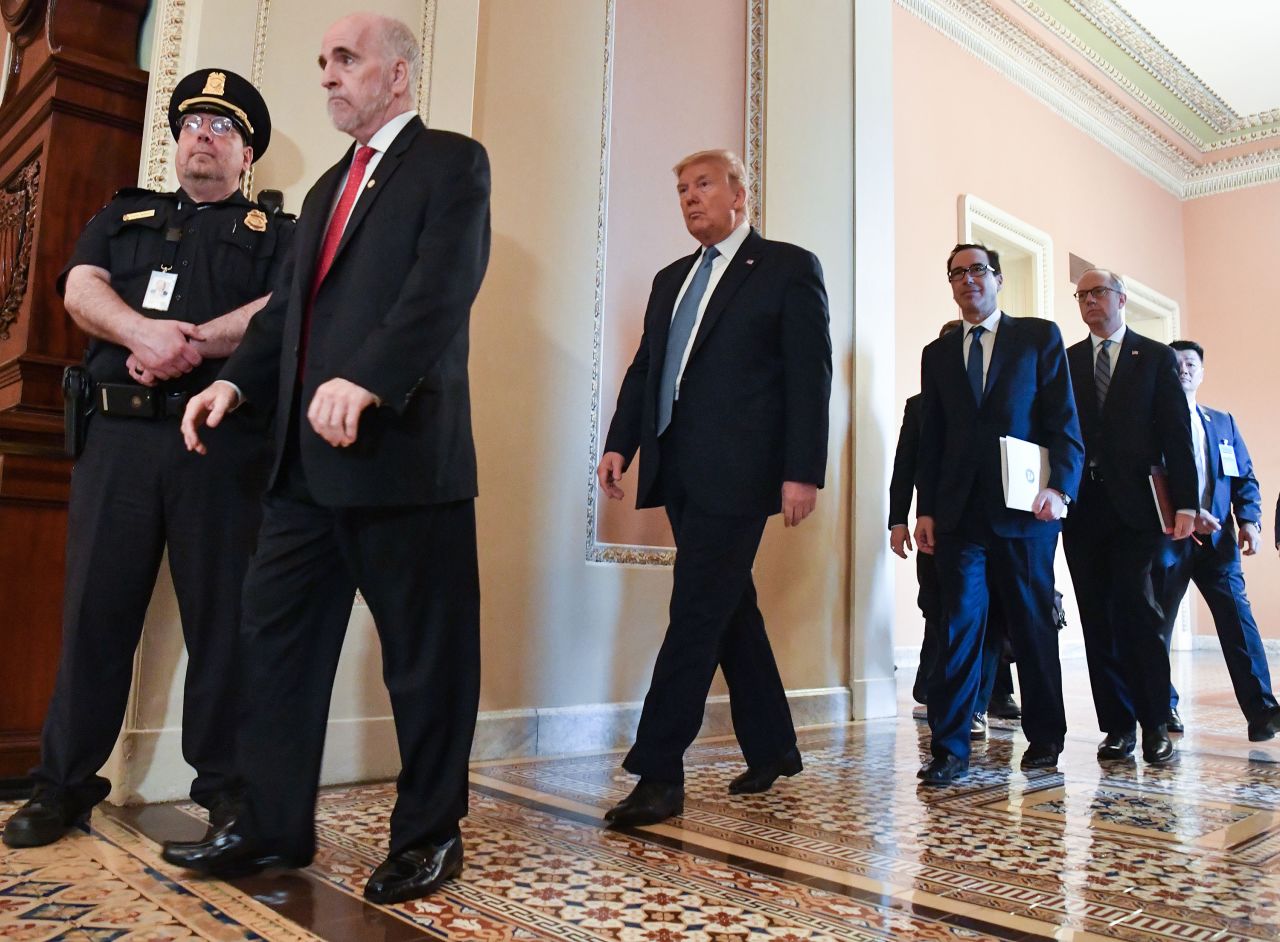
(902, 483)
(392, 316)
(1230, 495)
(753, 400)
(1027, 395)
(1145, 422)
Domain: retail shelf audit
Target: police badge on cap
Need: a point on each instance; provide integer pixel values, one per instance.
(222, 92)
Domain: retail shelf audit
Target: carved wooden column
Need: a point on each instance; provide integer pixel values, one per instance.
(70, 132)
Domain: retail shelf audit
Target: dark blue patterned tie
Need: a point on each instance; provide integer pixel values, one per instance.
(678, 336)
(1102, 373)
(974, 363)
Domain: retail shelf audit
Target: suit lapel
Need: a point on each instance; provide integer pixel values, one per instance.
(664, 304)
(1080, 361)
(1212, 457)
(315, 220)
(387, 166)
(744, 262)
(1128, 361)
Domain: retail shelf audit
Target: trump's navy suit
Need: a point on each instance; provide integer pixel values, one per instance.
(1214, 566)
(1027, 395)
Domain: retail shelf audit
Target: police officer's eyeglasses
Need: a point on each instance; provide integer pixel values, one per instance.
(221, 126)
(976, 270)
(1097, 293)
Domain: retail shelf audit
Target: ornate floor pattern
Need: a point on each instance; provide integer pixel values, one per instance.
(851, 849)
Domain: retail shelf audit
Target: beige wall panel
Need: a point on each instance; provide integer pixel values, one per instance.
(675, 91)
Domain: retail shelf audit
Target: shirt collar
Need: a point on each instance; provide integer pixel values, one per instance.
(729, 246)
(1115, 338)
(990, 323)
(383, 137)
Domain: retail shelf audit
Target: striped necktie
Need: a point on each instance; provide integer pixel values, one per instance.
(1102, 373)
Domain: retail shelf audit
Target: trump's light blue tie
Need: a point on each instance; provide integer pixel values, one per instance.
(678, 336)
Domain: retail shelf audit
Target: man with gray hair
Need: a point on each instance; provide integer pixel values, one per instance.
(363, 352)
(1133, 416)
(726, 401)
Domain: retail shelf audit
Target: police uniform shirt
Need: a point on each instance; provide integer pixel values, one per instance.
(227, 255)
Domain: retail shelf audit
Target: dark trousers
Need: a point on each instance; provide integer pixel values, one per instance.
(714, 621)
(135, 489)
(416, 567)
(1111, 566)
(995, 673)
(1221, 583)
(1019, 571)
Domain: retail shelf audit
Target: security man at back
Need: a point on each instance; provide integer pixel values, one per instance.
(164, 284)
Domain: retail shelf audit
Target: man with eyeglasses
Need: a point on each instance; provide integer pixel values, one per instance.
(999, 376)
(1134, 417)
(1229, 497)
(164, 284)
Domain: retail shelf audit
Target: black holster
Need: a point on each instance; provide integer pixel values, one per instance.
(77, 399)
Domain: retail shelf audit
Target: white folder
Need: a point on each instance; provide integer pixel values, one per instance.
(1024, 468)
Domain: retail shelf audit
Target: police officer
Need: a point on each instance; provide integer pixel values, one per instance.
(164, 284)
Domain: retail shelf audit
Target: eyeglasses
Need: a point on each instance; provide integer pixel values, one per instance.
(977, 271)
(220, 125)
(1097, 293)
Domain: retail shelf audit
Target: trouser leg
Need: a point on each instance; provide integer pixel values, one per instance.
(115, 539)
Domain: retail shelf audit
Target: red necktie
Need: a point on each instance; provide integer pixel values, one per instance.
(332, 236)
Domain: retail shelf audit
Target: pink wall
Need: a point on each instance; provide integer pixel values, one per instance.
(676, 90)
(1216, 256)
(1233, 311)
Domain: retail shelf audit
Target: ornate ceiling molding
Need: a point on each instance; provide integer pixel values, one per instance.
(1133, 39)
(997, 40)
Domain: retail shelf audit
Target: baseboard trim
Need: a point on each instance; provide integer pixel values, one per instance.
(365, 749)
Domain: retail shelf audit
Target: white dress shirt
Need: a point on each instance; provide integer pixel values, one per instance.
(987, 341)
(727, 249)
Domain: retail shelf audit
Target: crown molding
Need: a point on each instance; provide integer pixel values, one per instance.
(1149, 54)
(991, 36)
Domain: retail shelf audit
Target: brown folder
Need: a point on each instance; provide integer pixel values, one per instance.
(1160, 493)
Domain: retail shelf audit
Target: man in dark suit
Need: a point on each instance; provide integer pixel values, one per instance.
(1133, 416)
(1227, 489)
(364, 352)
(1001, 376)
(726, 401)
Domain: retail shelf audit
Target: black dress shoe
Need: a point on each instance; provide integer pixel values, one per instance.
(1174, 723)
(943, 771)
(1261, 729)
(42, 820)
(648, 803)
(761, 778)
(415, 872)
(1041, 756)
(1116, 746)
(227, 854)
(1157, 747)
(978, 726)
(1004, 708)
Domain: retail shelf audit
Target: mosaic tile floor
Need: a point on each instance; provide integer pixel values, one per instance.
(852, 848)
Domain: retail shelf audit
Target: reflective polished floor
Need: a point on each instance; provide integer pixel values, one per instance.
(853, 848)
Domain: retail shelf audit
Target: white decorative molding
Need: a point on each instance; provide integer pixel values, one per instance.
(1118, 25)
(427, 43)
(166, 66)
(617, 553)
(1036, 242)
(997, 40)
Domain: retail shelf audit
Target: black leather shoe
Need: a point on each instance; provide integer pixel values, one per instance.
(42, 820)
(1260, 730)
(1174, 723)
(1116, 746)
(415, 872)
(222, 813)
(648, 803)
(1157, 747)
(943, 771)
(1004, 708)
(761, 778)
(978, 726)
(227, 854)
(1041, 756)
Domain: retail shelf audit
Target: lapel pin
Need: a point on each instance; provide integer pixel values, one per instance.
(1133, 353)
(369, 185)
(751, 261)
